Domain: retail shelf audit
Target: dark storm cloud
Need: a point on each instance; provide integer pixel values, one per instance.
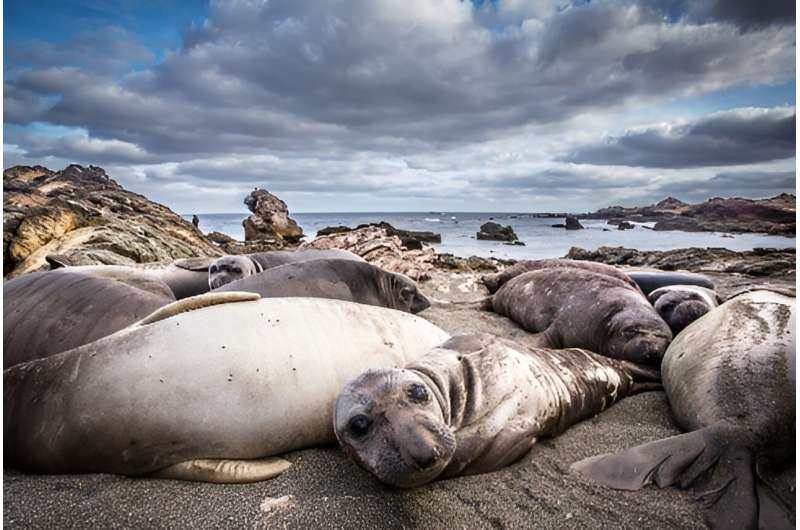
(747, 14)
(731, 184)
(743, 136)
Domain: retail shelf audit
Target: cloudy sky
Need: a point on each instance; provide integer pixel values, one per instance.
(415, 105)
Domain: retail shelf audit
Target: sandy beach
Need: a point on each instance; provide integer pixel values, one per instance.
(324, 489)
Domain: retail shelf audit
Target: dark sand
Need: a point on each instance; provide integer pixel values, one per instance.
(326, 490)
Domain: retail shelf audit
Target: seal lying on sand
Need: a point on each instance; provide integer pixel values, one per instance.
(49, 312)
(218, 376)
(495, 281)
(185, 277)
(680, 305)
(231, 268)
(474, 404)
(649, 281)
(730, 380)
(582, 309)
(349, 280)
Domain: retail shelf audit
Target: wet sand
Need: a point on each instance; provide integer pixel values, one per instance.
(324, 489)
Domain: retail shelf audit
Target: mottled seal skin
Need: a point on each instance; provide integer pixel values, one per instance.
(45, 313)
(680, 305)
(475, 404)
(494, 281)
(730, 380)
(231, 268)
(354, 281)
(575, 308)
(184, 277)
(649, 281)
(204, 379)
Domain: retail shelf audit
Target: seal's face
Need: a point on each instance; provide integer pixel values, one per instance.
(229, 269)
(681, 308)
(390, 422)
(411, 299)
(637, 337)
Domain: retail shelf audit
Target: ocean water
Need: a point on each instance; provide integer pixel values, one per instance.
(458, 231)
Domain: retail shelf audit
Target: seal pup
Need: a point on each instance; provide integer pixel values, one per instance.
(219, 376)
(50, 312)
(354, 281)
(730, 380)
(649, 281)
(680, 305)
(495, 281)
(184, 277)
(574, 308)
(231, 268)
(474, 404)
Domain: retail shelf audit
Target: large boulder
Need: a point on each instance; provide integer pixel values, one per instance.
(572, 223)
(494, 232)
(269, 219)
(411, 239)
(86, 218)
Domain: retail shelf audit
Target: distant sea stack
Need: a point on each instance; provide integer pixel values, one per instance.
(495, 232)
(269, 219)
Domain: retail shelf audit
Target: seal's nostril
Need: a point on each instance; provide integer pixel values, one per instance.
(426, 460)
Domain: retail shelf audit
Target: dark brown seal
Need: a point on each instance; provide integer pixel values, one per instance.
(45, 313)
(680, 305)
(730, 379)
(475, 404)
(495, 281)
(353, 281)
(577, 308)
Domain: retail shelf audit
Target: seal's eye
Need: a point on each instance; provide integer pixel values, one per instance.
(417, 393)
(237, 270)
(214, 269)
(359, 425)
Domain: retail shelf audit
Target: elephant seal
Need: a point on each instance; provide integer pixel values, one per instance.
(730, 380)
(649, 281)
(50, 312)
(575, 308)
(354, 281)
(680, 305)
(495, 281)
(474, 404)
(217, 376)
(184, 277)
(231, 268)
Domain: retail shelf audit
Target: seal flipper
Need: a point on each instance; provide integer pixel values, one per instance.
(721, 473)
(197, 302)
(223, 471)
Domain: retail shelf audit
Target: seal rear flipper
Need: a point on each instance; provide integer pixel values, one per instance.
(197, 302)
(223, 471)
(722, 474)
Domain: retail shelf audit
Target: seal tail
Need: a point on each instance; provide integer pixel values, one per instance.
(721, 474)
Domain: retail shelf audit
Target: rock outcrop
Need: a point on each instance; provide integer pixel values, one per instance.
(757, 262)
(411, 239)
(494, 232)
(572, 223)
(269, 219)
(86, 218)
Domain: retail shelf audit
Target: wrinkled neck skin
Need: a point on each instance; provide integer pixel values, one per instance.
(498, 398)
(389, 290)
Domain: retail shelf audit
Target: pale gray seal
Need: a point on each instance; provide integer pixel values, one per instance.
(649, 281)
(354, 281)
(475, 404)
(730, 380)
(680, 305)
(45, 313)
(217, 376)
(575, 308)
(231, 268)
(495, 281)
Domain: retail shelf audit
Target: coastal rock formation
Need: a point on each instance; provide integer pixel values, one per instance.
(411, 239)
(775, 216)
(625, 225)
(376, 246)
(269, 219)
(757, 262)
(495, 232)
(572, 223)
(84, 217)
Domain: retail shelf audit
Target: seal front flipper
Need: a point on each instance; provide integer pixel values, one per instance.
(224, 471)
(197, 302)
(720, 472)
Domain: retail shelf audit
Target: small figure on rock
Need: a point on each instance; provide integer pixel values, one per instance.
(196, 221)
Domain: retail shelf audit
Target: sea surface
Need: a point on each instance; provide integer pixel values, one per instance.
(458, 231)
